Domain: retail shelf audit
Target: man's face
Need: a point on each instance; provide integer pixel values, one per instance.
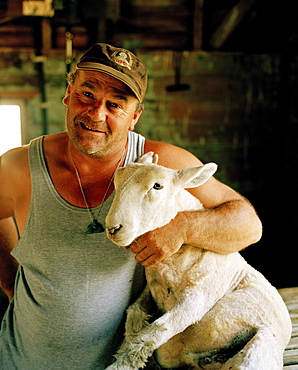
(100, 111)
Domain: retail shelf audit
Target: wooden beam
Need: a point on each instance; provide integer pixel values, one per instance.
(290, 297)
(14, 8)
(198, 24)
(6, 95)
(230, 22)
(46, 36)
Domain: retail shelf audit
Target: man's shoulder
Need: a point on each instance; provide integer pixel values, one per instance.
(172, 156)
(15, 157)
(15, 162)
(56, 139)
(14, 174)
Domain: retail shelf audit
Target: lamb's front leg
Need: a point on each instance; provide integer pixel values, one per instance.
(138, 315)
(198, 298)
(190, 308)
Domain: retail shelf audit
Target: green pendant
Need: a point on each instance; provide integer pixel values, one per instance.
(94, 227)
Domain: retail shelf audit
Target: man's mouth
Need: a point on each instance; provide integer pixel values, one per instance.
(89, 128)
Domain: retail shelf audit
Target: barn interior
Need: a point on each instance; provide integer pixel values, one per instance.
(223, 84)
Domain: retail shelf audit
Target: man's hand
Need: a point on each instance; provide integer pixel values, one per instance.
(158, 244)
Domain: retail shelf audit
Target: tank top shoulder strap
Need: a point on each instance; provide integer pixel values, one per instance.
(136, 143)
(35, 149)
(37, 161)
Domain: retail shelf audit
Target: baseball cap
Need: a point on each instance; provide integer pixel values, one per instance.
(118, 63)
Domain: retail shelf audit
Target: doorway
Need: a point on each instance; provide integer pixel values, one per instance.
(10, 127)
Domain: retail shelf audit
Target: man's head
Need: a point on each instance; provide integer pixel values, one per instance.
(118, 63)
(104, 99)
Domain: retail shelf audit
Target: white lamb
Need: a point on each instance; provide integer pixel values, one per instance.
(213, 311)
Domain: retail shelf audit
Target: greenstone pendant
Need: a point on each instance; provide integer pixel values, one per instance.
(94, 227)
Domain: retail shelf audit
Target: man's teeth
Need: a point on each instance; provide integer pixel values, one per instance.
(89, 128)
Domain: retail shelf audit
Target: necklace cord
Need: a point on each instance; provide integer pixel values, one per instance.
(94, 219)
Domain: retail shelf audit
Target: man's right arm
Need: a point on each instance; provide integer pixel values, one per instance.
(8, 265)
(11, 183)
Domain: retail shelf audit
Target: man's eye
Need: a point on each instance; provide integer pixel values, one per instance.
(114, 105)
(88, 94)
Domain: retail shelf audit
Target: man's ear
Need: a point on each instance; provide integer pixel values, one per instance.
(135, 119)
(66, 97)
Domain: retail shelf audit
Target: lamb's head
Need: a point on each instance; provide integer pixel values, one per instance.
(149, 196)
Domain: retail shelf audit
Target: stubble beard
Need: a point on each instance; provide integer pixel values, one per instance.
(90, 147)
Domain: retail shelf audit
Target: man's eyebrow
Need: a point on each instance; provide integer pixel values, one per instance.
(117, 93)
(89, 84)
(120, 96)
(122, 93)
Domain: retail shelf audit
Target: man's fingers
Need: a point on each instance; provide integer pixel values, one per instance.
(136, 247)
(152, 260)
(143, 255)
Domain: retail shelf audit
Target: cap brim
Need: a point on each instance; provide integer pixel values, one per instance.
(89, 66)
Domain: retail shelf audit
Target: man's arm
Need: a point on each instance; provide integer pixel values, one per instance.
(228, 224)
(8, 265)
(11, 169)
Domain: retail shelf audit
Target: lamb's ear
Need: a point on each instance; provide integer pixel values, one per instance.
(195, 176)
(149, 157)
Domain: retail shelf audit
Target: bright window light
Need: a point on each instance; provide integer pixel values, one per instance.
(10, 127)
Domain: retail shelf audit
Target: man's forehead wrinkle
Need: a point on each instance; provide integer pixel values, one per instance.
(91, 84)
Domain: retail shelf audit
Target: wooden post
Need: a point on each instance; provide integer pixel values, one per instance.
(198, 24)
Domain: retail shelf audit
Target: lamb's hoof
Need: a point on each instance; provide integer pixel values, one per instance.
(152, 365)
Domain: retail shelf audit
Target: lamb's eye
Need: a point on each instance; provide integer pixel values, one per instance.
(157, 186)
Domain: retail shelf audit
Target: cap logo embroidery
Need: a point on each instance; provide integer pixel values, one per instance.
(122, 58)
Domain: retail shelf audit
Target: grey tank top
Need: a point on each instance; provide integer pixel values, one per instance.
(72, 289)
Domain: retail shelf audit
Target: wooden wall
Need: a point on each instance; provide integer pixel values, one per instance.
(221, 110)
(221, 115)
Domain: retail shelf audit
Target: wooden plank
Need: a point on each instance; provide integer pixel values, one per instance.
(14, 8)
(293, 343)
(291, 357)
(289, 294)
(46, 36)
(230, 22)
(198, 25)
(290, 297)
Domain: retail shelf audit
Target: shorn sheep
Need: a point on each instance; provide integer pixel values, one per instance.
(199, 310)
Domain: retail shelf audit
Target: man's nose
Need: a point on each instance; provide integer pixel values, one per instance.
(97, 113)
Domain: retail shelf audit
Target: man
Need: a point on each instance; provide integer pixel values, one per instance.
(73, 285)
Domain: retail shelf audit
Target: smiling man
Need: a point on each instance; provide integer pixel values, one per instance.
(73, 285)
(101, 94)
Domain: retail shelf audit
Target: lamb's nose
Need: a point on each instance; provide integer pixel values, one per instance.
(114, 230)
